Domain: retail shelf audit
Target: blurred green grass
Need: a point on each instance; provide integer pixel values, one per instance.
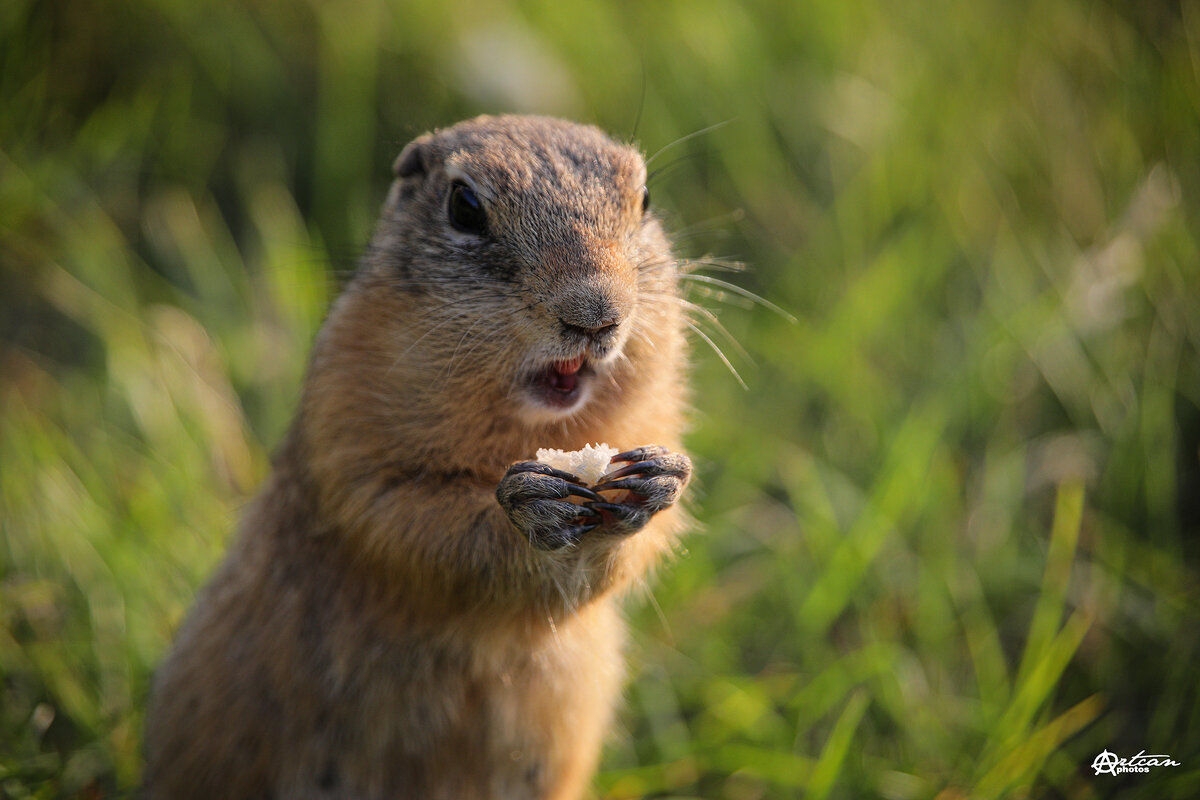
(949, 542)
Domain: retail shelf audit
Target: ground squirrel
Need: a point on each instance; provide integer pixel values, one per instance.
(412, 608)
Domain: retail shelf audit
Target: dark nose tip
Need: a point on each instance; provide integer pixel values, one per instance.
(597, 333)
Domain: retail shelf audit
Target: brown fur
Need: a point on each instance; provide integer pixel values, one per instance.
(381, 627)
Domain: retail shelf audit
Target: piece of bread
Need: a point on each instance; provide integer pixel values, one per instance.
(589, 464)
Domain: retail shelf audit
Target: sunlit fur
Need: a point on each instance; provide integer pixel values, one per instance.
(380, 629)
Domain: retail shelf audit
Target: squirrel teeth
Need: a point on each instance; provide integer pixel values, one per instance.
(568, 367)
(562, 384)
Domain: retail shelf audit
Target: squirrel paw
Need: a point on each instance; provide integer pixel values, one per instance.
(534, 495)
(652, 480)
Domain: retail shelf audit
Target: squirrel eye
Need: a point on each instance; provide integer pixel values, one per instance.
(645, 199)
(465, 211)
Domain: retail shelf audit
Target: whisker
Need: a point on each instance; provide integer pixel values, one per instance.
(433, 328)
(708, 315)
(746, 293)
(665, 169)
(637, 330)
(722, 297)
(685, 138)
(690, 265)
(712, 318)
(453, 356)
(491, 336)
(710, 224)
(641, 106)
(435, 312)
(658, 610)
(716, 350)
(711, 233)
(654, 262)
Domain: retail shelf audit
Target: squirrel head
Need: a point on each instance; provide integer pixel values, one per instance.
(517, 273)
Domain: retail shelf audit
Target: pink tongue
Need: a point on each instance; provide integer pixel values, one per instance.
(563, 383)
(566, 374)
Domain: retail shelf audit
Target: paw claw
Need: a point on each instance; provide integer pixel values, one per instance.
(543, 469)
(632, 469)
(610, 507)
(565, 537)
(582, 491)
(639, 453)
(631, 485)
(535, 496)
(623, 518)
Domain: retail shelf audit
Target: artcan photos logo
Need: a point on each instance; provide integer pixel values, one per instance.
(1110, 764)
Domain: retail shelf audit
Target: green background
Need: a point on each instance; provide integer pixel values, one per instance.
(948, 542)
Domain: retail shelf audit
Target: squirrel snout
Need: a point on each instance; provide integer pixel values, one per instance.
(592, 310)
(593, 316)
(597, 333)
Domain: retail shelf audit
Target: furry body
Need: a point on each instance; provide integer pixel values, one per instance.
(382, 626)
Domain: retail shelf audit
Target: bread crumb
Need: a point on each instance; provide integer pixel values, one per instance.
(590, 463)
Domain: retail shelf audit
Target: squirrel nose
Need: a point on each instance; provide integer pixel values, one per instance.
(597, 332)
(592, 311)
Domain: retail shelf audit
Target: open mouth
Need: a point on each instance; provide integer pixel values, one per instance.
(563, 383)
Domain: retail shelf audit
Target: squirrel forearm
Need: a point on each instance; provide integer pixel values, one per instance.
(463, 548)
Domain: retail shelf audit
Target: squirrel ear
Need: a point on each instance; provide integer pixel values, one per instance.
(412, 159)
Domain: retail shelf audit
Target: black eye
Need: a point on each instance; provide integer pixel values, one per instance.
(465, 211)
(645, 199)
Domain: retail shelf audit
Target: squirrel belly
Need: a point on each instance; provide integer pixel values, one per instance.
(413, 606)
